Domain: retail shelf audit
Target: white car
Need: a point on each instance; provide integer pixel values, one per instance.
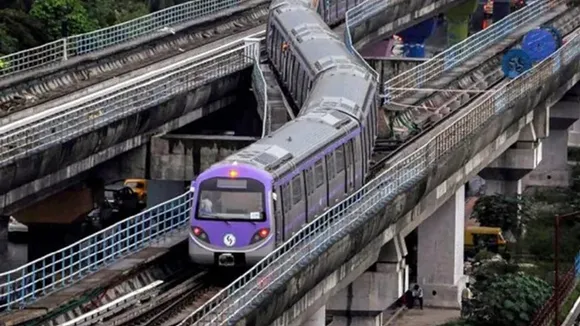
(16, 229)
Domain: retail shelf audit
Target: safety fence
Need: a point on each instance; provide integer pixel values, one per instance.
(57, 125)
(244, 294)
(458, 54)
(545, 315)
(64, 267)
(260, 89)
(333, 11)
(354, 17)
(65, 48)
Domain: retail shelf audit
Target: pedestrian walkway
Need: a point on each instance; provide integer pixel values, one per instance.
(426, 317)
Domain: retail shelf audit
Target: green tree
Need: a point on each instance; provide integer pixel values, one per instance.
(509, 299)
(18, 31)
(111, 12)
(506, 212)
(155, 5)
(62, 17)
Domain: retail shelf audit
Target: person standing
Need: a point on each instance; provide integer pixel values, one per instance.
(466, 296)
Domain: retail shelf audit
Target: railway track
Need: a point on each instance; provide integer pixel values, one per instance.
(94, 74)
(175, 302)
(486, 80)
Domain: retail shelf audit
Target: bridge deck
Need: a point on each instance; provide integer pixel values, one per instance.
(101, 278)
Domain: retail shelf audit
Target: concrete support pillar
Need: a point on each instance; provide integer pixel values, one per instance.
(506, 173)
(554, 170)
(364, 300)
(440, 254)
(318, 319)
(574, 135)
(503, 187)
(159, 191)
(458, 21)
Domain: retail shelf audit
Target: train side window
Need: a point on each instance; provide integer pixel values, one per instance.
(309, 181)
(296, 189)
(319, 173)
(339, 159)
(286, 197)
(330, 166)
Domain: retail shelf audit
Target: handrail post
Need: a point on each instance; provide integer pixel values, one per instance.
(64, 49)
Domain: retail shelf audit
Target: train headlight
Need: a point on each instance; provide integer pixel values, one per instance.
(260, 235)
(199, 233)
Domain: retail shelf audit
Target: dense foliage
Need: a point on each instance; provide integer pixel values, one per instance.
(28, 23)
(509, 299)
(508, 213)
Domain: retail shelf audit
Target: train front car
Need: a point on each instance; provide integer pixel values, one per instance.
(231, 219)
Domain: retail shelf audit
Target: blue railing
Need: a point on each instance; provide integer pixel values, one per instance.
(62, 268)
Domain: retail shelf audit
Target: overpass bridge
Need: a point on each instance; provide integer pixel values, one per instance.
(47, 142)
(426, 161)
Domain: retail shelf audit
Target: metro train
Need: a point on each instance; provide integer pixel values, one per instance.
(254, 200)
(300, 46)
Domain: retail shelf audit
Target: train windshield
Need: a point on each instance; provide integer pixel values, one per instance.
(231, 199)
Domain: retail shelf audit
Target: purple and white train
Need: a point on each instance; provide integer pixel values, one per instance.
(254, 200)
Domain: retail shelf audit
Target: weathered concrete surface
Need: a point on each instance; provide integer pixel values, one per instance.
(183, 157)
(554, 170)
(34, 87)
(306, 290)
(398, 16)
(391, 67)
(48, 168)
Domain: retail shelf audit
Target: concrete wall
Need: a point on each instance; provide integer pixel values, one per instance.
(59, 163)
(183, 157)
(397, 17)
(39, 85)
(495, 136)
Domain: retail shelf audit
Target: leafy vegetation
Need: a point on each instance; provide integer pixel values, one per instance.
(510, 292)
(509, 299)
(29, 23)
(508, 213)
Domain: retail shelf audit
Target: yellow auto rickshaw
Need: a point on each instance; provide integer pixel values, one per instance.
(482, 237)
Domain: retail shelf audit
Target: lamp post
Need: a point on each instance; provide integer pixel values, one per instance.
(557, 263)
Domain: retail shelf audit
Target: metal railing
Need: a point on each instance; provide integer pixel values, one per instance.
(71, 120)
(546, 313)
(260, 89)
(333, 11)
(458, 54)
(235, 301)
(60, 269)
(157, 22)
(356, 16)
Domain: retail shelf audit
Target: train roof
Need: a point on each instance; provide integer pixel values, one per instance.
(296, 140)
(316, 44)
(347, 88)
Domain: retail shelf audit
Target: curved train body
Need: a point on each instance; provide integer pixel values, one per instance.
(255, 199)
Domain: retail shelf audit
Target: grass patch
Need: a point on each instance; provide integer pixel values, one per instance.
(569, 303)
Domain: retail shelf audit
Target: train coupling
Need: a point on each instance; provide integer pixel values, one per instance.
(226, 260)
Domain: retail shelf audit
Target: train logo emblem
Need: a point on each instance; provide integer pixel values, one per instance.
(229, 240)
